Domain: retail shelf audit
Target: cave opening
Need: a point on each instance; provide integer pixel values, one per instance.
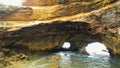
(97, 49)
(66, 45)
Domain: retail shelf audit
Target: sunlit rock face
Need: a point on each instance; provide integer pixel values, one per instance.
(58, 9)
(55, 2)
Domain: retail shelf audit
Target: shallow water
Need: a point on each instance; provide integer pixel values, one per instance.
(73, 60)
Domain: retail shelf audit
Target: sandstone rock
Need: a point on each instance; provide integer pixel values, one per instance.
(4, 62)
(54, 58)
(47, 36)
(72, 7)
(1, 54)
(55, 2)
(101, 23)
(19, 57)
(5, 50)
(12, 52)
(52, 36)
(62, 1)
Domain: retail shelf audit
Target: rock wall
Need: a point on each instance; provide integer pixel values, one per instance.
(50, 37)
(44, 36)
(100, 22)
(46, 12)
(56, 2)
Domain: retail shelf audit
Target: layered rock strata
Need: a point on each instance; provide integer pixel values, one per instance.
(47, 12)
(76, 21)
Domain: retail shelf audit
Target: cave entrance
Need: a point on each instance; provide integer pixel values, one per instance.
(66, 45)
(97, 49)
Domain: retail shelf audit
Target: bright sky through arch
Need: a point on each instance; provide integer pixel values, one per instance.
(12, 2)
(97, 48)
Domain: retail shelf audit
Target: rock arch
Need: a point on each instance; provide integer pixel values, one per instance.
(48, 37)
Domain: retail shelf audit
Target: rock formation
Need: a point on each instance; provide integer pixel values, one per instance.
(70, 7)
(76, 21)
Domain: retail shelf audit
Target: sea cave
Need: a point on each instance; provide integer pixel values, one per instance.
(59, 33)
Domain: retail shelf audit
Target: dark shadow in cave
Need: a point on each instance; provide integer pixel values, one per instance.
(78, 34)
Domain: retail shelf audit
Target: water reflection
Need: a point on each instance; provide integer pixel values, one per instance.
(74, 60)
(65, 57)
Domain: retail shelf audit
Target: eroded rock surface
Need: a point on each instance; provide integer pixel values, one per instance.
(44, 36)
(39, 12)
(101, 23)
